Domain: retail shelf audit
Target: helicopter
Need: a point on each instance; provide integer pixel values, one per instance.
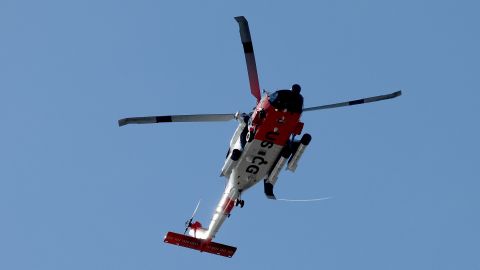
(262, 145)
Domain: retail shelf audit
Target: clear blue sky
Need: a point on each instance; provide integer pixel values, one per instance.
(78, 192)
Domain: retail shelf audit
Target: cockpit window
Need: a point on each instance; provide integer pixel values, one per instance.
(286, 99)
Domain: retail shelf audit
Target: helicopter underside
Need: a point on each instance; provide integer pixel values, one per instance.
(256, 161)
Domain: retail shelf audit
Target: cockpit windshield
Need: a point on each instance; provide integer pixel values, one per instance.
(286, 99)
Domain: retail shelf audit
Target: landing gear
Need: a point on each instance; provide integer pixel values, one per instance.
(240, 202)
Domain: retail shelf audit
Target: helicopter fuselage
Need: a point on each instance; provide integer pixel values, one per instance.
(263, 143)
(254, 150)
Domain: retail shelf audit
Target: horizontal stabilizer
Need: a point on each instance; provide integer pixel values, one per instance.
(199, 244)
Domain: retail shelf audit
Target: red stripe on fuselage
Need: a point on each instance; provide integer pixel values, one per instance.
(229, 204)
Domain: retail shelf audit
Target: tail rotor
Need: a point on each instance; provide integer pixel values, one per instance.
(189, 222)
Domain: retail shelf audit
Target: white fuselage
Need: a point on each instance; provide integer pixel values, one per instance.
(254, 164)
(252, 157)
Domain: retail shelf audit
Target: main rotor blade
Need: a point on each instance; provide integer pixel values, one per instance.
(249, 56)
(355, 102)
(176, 118)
